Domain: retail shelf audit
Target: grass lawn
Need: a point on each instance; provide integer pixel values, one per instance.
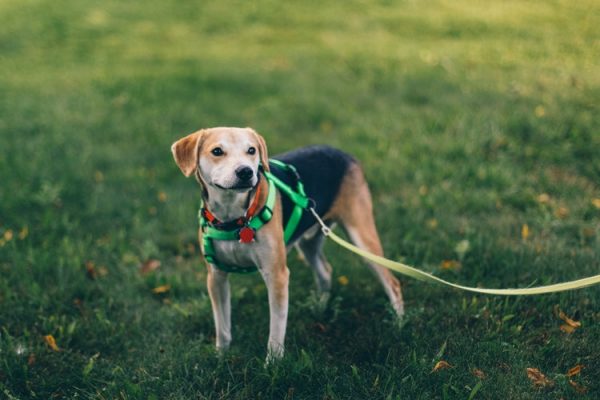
(478, 126)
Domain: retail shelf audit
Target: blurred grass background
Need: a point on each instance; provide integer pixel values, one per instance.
(477, 124)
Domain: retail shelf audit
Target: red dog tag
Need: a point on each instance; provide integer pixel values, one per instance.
(246, 235)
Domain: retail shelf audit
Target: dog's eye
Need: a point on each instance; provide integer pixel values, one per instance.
(217, 151)
(251, 150)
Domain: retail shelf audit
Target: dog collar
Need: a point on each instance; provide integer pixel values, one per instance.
(245, 236)
(244, 228)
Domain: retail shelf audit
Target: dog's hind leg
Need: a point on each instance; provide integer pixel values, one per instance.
(354, 209)
(312, 250)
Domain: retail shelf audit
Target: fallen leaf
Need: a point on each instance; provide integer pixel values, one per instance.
(90, 268)
(567, 328)
(478, 373)
(441, 365)
(575, 370)
(543, 198)
(525, 231)
(562, 212)
(343, 280)
(569, 321)
(8, 235)
(450, 265)
(51, 342)
(162, 197)
(538, 379)
(149, 266)
(596, 203)
(320, 327)
(31, 359)
(432, 223)
(578, 388)
(161, 289)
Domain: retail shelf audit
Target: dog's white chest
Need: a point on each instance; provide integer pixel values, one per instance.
(231, 252)
(234, 253)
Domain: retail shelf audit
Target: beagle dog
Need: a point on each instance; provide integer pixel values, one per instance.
(228, 163)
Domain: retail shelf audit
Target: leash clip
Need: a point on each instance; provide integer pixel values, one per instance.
(324, 228)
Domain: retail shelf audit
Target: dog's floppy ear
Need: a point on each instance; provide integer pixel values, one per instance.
(185, 152)
(262, 150)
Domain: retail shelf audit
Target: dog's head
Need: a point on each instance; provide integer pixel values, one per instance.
(225, 158)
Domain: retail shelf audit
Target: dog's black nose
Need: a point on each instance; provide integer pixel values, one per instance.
(244, 173)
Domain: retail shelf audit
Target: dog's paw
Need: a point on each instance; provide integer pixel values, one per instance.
(221, 349)
(274, 355)
(399, 309)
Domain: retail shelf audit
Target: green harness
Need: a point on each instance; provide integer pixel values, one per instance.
(298, 197)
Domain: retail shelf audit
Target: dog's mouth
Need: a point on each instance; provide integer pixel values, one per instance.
(238, 188)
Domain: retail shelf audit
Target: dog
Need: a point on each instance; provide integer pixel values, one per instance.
(230, 164)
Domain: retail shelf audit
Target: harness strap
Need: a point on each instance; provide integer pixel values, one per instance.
(298, 198)
(257, 221)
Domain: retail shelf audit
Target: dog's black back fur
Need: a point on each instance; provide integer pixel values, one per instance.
(321, 169)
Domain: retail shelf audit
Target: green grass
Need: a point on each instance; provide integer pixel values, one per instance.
(462, 113)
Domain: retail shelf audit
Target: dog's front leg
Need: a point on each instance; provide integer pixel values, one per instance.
(276, 276)
(220, 297)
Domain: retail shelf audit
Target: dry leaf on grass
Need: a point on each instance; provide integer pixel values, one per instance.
(93, 272)
(441, 365)
(343, 280)
(451, 265)
(478, 373)
(570, 324)
(161, 289)
(149, 266)
(90, 269)
(575, 370)
(432, 223)
(524, 231)
(561, 212)
(8, 235)
(51, 342)
(596, 203)
(543, 198)
(538, 379)
(567, 328)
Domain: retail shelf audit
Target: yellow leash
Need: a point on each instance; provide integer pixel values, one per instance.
(424, 276)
